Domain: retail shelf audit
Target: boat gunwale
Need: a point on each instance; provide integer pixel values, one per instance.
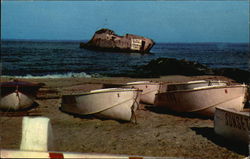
(204, 88)
(143, 83)
(98, 92)
(196, 82)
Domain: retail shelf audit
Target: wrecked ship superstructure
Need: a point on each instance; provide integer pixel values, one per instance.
(107, 40)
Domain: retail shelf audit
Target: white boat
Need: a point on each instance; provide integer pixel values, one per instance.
(113, 103)
(17, 95)
(203, 100)
(149, 90)
(192, 84)
(232, 124)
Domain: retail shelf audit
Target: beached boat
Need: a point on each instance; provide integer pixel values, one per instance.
(149, 89)
(203, 100)
(191, 85)
(17, 95)
(112, 103)
(232, 124)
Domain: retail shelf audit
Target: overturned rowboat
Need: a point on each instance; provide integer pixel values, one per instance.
(232, 124)
(202, 100)
(113, 103)
(17, 95)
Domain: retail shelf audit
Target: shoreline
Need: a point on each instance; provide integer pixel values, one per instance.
(158, 133)
(166, 78)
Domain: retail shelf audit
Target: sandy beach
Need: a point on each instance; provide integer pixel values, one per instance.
(158, 132)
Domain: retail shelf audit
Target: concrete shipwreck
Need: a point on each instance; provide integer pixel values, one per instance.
(107, 40)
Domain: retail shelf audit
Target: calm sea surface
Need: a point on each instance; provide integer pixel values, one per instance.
(66, 59)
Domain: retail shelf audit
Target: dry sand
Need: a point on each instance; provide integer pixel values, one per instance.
(158, 132)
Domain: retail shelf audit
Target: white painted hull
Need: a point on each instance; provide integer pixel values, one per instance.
(16, 101)
(115, 103)
(232, 124)
(17, 95)
(149, 90)
(203, 100)
(192, 85)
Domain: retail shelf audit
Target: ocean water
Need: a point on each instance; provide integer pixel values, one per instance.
(65, 58)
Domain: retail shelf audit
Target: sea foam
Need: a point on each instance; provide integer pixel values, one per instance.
(67, 75)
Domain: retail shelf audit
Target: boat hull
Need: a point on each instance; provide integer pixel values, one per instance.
(203, 100)
(17, 95)
(149, 90)
(117, 104)
(16, 101)
(107, 40)
(192, 85)
(232, 124)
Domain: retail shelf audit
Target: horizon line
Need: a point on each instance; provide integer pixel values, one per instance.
(72, 40)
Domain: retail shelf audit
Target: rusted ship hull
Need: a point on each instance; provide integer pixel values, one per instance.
(107, 40)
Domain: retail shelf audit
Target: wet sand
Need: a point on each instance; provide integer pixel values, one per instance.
(158, 132)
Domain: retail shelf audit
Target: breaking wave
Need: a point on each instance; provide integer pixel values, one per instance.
(66, 75)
